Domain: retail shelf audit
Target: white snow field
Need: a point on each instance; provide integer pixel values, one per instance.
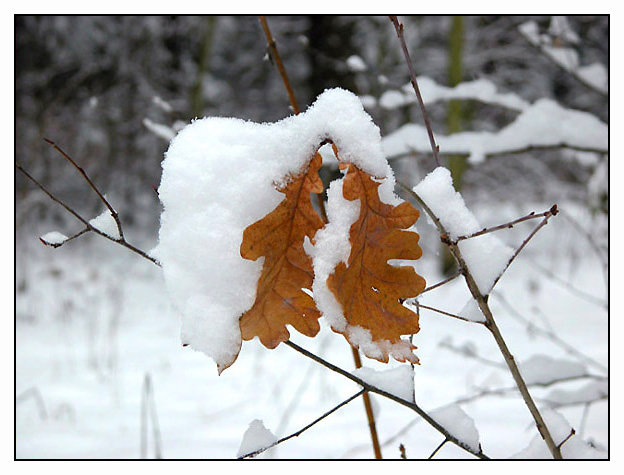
(93, 319)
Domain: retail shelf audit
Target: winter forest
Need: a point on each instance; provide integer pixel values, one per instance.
(311, 237)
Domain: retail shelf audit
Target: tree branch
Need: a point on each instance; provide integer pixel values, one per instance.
(91, 184)
(490, 323)
(399, 30)
(88, 227)
(302, 430)
(403, 402)
(278, 62)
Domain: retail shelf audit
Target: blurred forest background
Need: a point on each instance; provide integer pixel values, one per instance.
(100, 85)
(96, 336)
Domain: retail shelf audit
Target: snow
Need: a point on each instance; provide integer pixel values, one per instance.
(256, 437)
(486, 256)
(210, 169)
(106, 224)
(560, 429)
(160, 130)
(472, 312)
(589, 392)
(544, 124)
(356, 64)
(398, 381)
(90, 378)
(560, 28)
(481, 90)
(594, 75)
(543, 369)
(53, 238)
(459, 424)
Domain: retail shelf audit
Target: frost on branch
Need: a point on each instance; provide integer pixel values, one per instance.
(397, 381)
(222, 175)
(486, 256)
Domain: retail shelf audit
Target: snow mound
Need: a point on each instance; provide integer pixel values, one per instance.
(256, 437)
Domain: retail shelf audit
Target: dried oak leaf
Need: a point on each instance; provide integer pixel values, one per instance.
(368, 288)
(287, 269)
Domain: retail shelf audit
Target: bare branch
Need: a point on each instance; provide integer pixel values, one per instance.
(437, 449)
(549, 214)
(399, 30)
(88, 226)
(91, 184)
(441, 283)
(302, 430)
(459, 317)
(490, 323)
(278, 62)
(508, 225)
(383, 393)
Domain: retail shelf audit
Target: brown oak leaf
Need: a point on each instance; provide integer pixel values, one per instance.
(368, 288)
(287, 269)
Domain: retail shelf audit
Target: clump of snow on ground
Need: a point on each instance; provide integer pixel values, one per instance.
(220, 176)
(256, 437)
(53, 238)
(459, 424)
(486, 256)
(398, 381)
(560, 429)
(543, 369)
(106, 223)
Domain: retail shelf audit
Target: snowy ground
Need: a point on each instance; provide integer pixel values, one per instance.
(93, 319)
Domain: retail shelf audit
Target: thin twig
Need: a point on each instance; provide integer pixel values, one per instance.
(278, 62)
(402, 452)
(549, 214)
(572, 432)
(448, 314)
(302, 430)
(441, 283)
(91, 184)
(437, 449)
(403, 402)
(399, 30)
(506, 225)
(121, 241)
